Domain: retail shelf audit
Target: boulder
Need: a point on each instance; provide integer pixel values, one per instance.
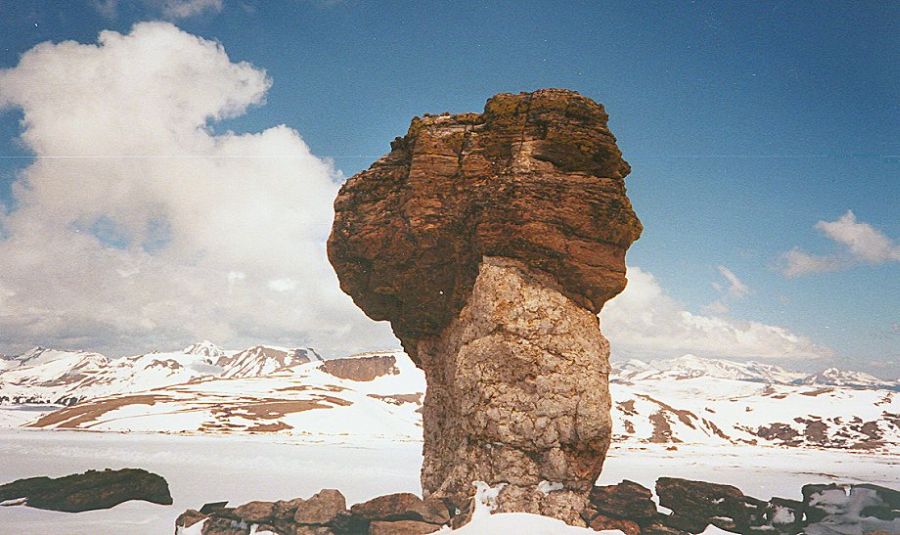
(88, 491)
(216, 525)
(402, 506)
(208, 508)
(401, 527)
(255, 511)
(625, 500)
(323, 508)
(695, 503)
(189, 518)
(602, 522)
(785, 515)
(285, 509)
(658, 528)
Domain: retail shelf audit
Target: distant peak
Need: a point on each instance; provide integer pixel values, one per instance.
(204, 348)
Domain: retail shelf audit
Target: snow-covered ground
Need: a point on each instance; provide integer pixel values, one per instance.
(204, 469)
(292, 394)
(270, 423)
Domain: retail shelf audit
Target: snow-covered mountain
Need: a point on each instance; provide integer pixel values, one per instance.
(691, 366)
(836, 377)
(292, 393)
(66, 377)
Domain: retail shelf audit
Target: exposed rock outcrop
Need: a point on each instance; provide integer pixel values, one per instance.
(361, 368)
(325, 513)
(490, 242)
(88, 491)
(827, 509)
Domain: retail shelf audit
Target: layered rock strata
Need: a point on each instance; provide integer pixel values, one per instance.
(490, 242)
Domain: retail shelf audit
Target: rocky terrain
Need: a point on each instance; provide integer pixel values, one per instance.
(688, 507)
(491, 242)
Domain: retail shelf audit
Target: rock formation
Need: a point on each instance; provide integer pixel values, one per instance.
(325, 513)
(490, 242)
(88, 491)
(863, 509)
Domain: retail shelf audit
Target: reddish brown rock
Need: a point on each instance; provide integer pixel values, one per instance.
(322, 508)
(285, 509)
(361, 368)
(537, 177)
(255, 511)
(603, 522)
(215, 525)
(401, 527)
(189, 518)
(402, 506)
(490, 242)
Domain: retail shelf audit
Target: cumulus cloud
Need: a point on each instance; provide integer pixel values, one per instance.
(136, 226)
(861, 242)
(644, 321)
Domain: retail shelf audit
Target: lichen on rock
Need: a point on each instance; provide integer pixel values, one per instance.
(490, 242)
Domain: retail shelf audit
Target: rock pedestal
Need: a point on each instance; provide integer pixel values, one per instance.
(491, 242)
(517, 395)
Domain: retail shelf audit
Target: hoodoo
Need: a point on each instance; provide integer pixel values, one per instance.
(491, 242)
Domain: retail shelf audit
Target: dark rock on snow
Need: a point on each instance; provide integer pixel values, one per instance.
(88, 491)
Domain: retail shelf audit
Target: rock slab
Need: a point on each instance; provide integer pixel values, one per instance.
(88, 491)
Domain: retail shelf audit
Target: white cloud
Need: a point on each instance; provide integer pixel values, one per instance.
(798, 262)
(736, 287)
(863, 244)
(136, 226)
(644, 321)
(861, 239)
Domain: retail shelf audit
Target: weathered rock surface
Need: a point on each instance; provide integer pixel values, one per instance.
(695, 504)
(517, 394)
(361, 368)
(536, 177)
(626, 500)
(628, 507)
(402, 527)
(322, 508)
(88, 491)
(325, 513)
(490, 242)
(402, 506)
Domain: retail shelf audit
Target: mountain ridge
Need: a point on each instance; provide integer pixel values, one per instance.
(379, 395)
(46, 375)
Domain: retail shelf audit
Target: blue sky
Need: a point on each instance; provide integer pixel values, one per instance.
(746, 124)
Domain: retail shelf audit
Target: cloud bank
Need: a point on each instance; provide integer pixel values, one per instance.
(644, 321)
(137, 227)
(861, 244)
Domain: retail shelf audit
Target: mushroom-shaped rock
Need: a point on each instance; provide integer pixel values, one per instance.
(490, 242)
